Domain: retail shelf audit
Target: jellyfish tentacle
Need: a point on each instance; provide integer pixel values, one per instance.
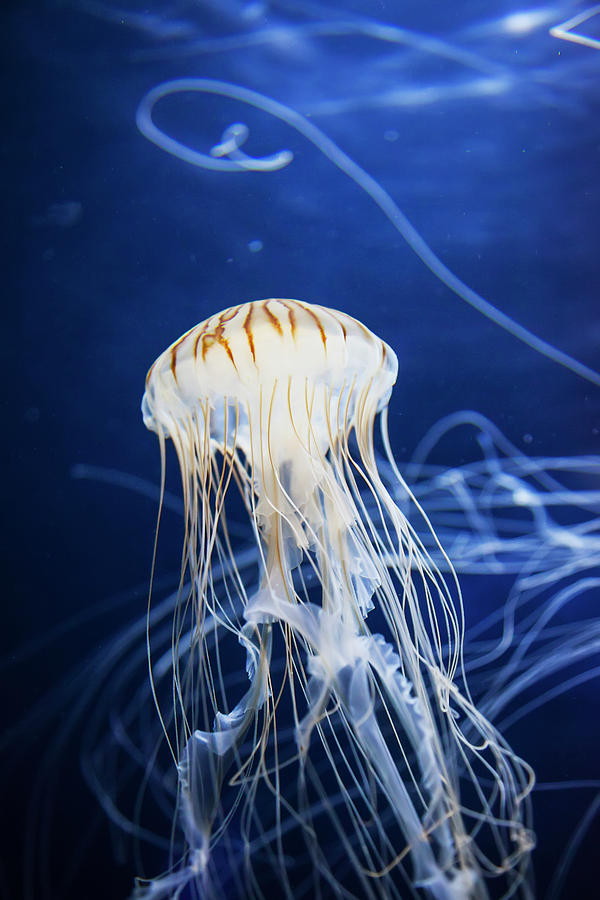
(362, 179)
(208, 755)
(231, 141)
(340, 663)
(233, 136)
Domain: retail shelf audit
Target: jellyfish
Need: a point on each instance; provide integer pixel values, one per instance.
(502, 515)
(353, 760)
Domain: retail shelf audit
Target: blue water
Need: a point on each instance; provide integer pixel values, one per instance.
(482, 126)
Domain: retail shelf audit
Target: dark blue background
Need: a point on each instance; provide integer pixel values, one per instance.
(504, 187)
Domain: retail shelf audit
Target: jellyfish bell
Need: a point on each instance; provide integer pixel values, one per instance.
(280, 397)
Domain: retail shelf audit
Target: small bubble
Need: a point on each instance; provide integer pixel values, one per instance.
(391, 135)
(527, 438)
(255, 246)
